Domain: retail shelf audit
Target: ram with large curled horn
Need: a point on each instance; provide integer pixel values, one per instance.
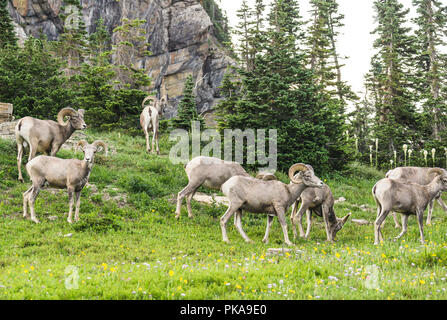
(70, 174)
(46, 136)
(318, 201)
(407, 198)
(269, 197)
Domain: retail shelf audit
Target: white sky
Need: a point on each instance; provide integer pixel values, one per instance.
(355, 39)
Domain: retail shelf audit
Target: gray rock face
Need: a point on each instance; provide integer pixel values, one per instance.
(180, 35)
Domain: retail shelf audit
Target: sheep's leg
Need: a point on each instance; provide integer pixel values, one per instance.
(404, 226)
(154, 138)
(282, 220)
(156, 141)
(78, 205)
(441, 203)
(430, 211)
(70, 204)
(224, 219)
(146, 134)
(32, 200)
(325, 214)
(188, 204)
(378, 237)
(420, 217)
(190, 188)
(268, 228)
(25, 202)
(32, 149)
(298, 218)
(396, 221)
(309, 223)
(19, 160)
(294, 210)
(238, 224)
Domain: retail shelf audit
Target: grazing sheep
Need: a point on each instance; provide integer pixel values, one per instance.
(321, 202)
(70, 174)
(407, 198)
(417, 175)
(46, 136)
(150, 119)
(207, 171)
(270, 197)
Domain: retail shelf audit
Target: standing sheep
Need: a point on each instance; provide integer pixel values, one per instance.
(150, 119)
(46, 136)
(321, 202)
(419, 175)
(270, 197)
(207, 171)
(406, 198)
(70, 174)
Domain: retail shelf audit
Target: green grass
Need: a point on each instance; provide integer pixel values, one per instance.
(137, 250)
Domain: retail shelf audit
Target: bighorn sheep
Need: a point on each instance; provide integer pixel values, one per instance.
(150, 119)
(46, 136)
(70, 174)
(321, 202)
(407, 198)
(207, 171)
(420, 176)
(271, 197)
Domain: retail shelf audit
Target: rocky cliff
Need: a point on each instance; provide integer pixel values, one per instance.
(180, 36)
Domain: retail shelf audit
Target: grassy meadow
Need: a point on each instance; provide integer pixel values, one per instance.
(128, 245)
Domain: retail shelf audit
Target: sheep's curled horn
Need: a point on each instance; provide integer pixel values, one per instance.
(81, 143)
(438, 171)
(146, 99)
(66, 112)
(297, 167)
(100, 143)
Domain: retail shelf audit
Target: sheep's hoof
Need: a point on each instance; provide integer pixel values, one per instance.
(21, 180)
(266, 241)
(35, 220)
(290, 244)
(226, 241)
(69, 221)
(191, 216)
(177, 217)
(249, 241)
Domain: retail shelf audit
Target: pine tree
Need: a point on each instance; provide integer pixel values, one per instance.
(7, 33)
(431, 30)
(396, 122)
(187, 110)
(31, 79)
(324, 59)
(306, 124)
(72, 43)
(130, 50)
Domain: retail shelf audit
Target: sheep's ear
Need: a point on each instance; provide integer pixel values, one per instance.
(81, 112)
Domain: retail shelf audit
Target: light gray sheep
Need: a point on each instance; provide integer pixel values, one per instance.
(46, 136)
(269, 197)
(407, 198)
(70, 174)
(421, 176)
(150, 120)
